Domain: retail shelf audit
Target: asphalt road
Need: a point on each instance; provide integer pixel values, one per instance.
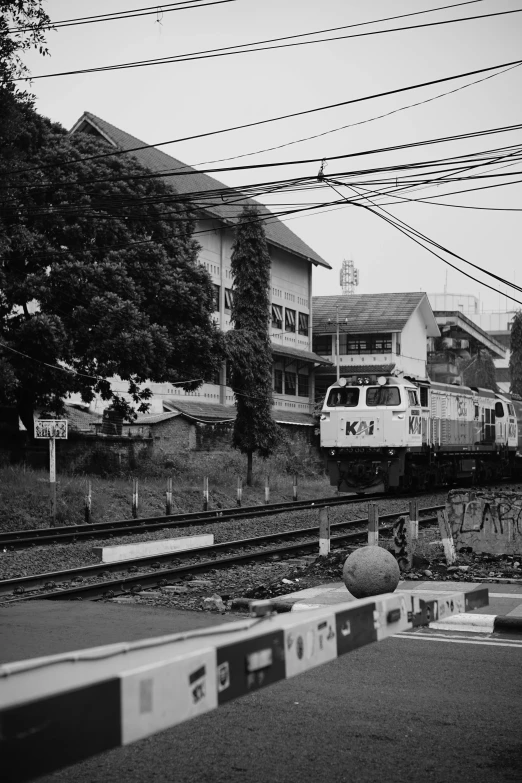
(420, 710)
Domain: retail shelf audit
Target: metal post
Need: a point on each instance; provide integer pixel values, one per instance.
(239, 491)
(338, 359)
(267, 490)
(414, 519)
(205, 494)
(324, 532)
(135, 498)
(168, 497)
(373, 524)
(52, 479)
(294, 495)
(88, 504)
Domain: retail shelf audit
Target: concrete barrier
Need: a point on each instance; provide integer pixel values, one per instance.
(112, 554)
(59, 710)
(488, 521)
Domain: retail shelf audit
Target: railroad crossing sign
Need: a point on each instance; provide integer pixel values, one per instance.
(51, 429)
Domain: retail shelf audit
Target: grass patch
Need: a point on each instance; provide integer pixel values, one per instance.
(25, 499)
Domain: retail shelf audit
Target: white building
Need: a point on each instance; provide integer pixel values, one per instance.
(291, 283)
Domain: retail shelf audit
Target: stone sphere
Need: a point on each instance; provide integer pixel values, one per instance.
(371, 570)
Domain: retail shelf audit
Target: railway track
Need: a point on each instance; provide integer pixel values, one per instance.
(131, 576)
(20, 539)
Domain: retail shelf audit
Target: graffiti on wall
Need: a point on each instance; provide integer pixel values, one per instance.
(486, 521)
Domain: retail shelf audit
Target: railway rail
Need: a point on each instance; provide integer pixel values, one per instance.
(19, 539)
(132, 576)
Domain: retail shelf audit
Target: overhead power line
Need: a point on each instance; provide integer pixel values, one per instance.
(256, 123)
(258, 46)
(182, 5)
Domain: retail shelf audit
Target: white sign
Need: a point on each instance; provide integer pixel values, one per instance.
(50, 428)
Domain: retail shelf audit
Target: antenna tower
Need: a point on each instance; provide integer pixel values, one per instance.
(349, 277)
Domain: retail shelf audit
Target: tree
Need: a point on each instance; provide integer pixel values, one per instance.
(515, 359)
(248, 343)
(98, 274)
(479, 371)
(22, 27)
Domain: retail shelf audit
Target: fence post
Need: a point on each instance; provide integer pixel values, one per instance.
(294, 488)
(414, 519)
(373, 524)
(447, 537)
(205, 494)
(168, 500)
(88, 504)
(267, 490)
(239, 491)
(135, 498)
(324, 532)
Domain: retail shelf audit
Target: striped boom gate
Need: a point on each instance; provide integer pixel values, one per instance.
(59, 710)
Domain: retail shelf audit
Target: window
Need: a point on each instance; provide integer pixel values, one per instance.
(303, 387)
(343, 398)
(412, 397)
(383, 395)
(278, 381)
(303, 324)
(277, 316)
(398, 344)
(229, 299)
(216, 297)
(322, 344)
(290, 383)
(355, 344)
(289, 320)
(424, 396)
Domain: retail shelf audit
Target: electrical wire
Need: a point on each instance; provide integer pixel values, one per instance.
(241, 48)
(256, 123)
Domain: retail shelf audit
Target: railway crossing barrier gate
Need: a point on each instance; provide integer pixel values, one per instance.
(59, 710)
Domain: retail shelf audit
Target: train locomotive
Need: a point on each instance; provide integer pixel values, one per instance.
(386, 433)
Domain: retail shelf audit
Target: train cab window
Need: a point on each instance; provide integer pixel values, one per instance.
(511, 410)
(413, 398)
(424, 396)
(499, 410)
(343, 398)
(383, 395)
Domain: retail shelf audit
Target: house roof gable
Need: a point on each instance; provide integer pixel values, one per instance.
(158, 161)
(370, 313)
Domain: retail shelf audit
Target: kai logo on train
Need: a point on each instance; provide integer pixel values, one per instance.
(360, 427)
(414, 425)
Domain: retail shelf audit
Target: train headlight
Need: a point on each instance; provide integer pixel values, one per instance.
(332, 452)
(342, 382)
(381, 380)
(391, 452)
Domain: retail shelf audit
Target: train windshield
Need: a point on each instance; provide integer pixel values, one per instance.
(383, 395)
(343, 398)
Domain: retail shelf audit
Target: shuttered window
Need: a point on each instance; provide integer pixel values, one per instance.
(289, 320)
(277, 316)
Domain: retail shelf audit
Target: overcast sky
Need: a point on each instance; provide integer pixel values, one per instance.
(164, 102)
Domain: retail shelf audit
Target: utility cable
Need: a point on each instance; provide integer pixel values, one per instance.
(230, 129)
(241, 48)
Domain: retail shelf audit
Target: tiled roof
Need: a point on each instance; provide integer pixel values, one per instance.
(80, 419)
(202, 411)
(293, 417)
(156, 160)
(152, 418)
(298, 353)
(210, 412)
(364, 313)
